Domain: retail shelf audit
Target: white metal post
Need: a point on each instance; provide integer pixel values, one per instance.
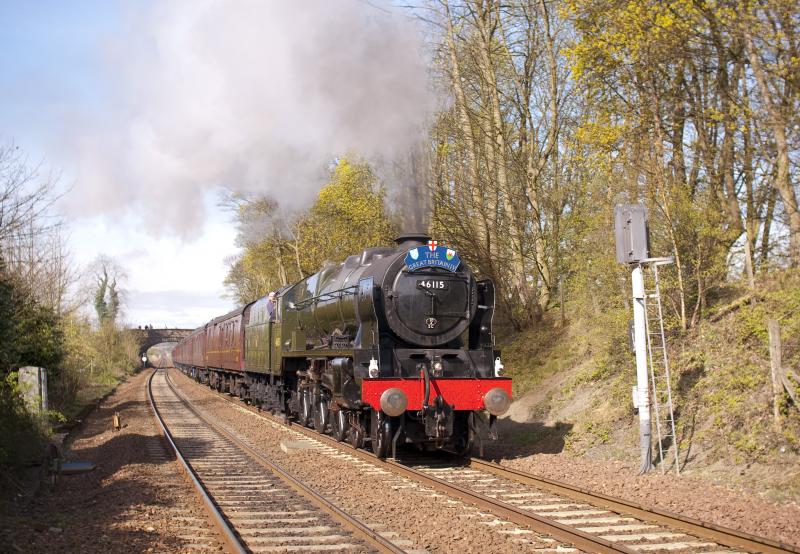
(640, 344)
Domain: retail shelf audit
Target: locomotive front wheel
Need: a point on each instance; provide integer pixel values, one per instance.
(463, 447)
(380, 434)
(339, 425)
(465, 430)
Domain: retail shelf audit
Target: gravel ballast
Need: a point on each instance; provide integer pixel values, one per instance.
(687, 496)
(682, 495)
(419, 518)
(136, 500)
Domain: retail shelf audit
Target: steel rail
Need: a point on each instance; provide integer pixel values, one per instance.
(719, 534)
(585, 541)
(701, 529)
(231, 540)
(357, 527)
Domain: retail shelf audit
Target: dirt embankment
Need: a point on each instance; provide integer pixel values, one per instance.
(573, 418)
(136, 500)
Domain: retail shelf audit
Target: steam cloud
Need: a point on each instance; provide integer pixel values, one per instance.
(253, 95)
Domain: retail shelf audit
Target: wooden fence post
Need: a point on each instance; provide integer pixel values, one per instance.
(774, 330)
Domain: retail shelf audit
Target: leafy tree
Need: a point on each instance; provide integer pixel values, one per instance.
(348, 216)
(41, 336)
(100, 303)
(8, 328)
(30, 333)
(695, 135)
(268, 237)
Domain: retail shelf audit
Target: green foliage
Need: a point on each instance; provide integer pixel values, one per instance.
(735, 400)
(348, 216)
(113, 301)
(100, 304)
(652, 70)
(8, 327)
(106, 297)
(96, 361)
(726, 395)
(30, 334)
(42, 337)
(115, 351)
(75, 373)
(75, 356)
(269, 258)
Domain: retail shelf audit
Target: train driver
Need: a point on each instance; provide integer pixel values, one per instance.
(271, 306)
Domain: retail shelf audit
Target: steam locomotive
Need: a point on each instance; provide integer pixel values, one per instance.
(392, 346)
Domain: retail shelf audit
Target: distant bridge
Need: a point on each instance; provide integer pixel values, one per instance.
(150, 337)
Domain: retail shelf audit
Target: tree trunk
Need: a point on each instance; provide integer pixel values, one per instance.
(462, 109)
(764, 258)
(496, 147)
(778, 124)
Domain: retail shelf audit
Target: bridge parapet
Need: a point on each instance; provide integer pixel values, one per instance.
(150, 337)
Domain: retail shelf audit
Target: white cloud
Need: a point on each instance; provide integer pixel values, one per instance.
(169, 280)
(253, 95)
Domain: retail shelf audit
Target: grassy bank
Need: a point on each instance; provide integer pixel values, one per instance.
(580, 376)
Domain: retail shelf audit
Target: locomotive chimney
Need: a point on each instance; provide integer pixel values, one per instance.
(408, 240)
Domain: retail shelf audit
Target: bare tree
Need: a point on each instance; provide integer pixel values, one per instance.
(31, 240)
(498, 148)
(25, 197)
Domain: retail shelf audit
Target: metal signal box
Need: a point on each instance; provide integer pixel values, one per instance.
(632, 233)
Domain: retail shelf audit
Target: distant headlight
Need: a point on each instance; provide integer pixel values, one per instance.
(393, 402)
(497, 401)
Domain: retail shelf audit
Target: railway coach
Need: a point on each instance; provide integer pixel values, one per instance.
(391, 346)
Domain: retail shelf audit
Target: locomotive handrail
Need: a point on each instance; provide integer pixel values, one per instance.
(339, 293)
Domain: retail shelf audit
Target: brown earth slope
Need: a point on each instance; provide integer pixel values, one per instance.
(574, 408)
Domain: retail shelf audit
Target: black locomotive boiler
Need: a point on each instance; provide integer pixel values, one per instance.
(392, 346)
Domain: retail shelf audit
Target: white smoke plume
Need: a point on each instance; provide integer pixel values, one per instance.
(255, 95)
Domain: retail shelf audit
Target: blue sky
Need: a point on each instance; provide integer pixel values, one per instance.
(146, 109)
(56, 72)
(52, 58)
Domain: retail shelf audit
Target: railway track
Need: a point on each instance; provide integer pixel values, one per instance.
(708, 531)
(589, 521)
(627, 526)
(190, 526)
(256, 505)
